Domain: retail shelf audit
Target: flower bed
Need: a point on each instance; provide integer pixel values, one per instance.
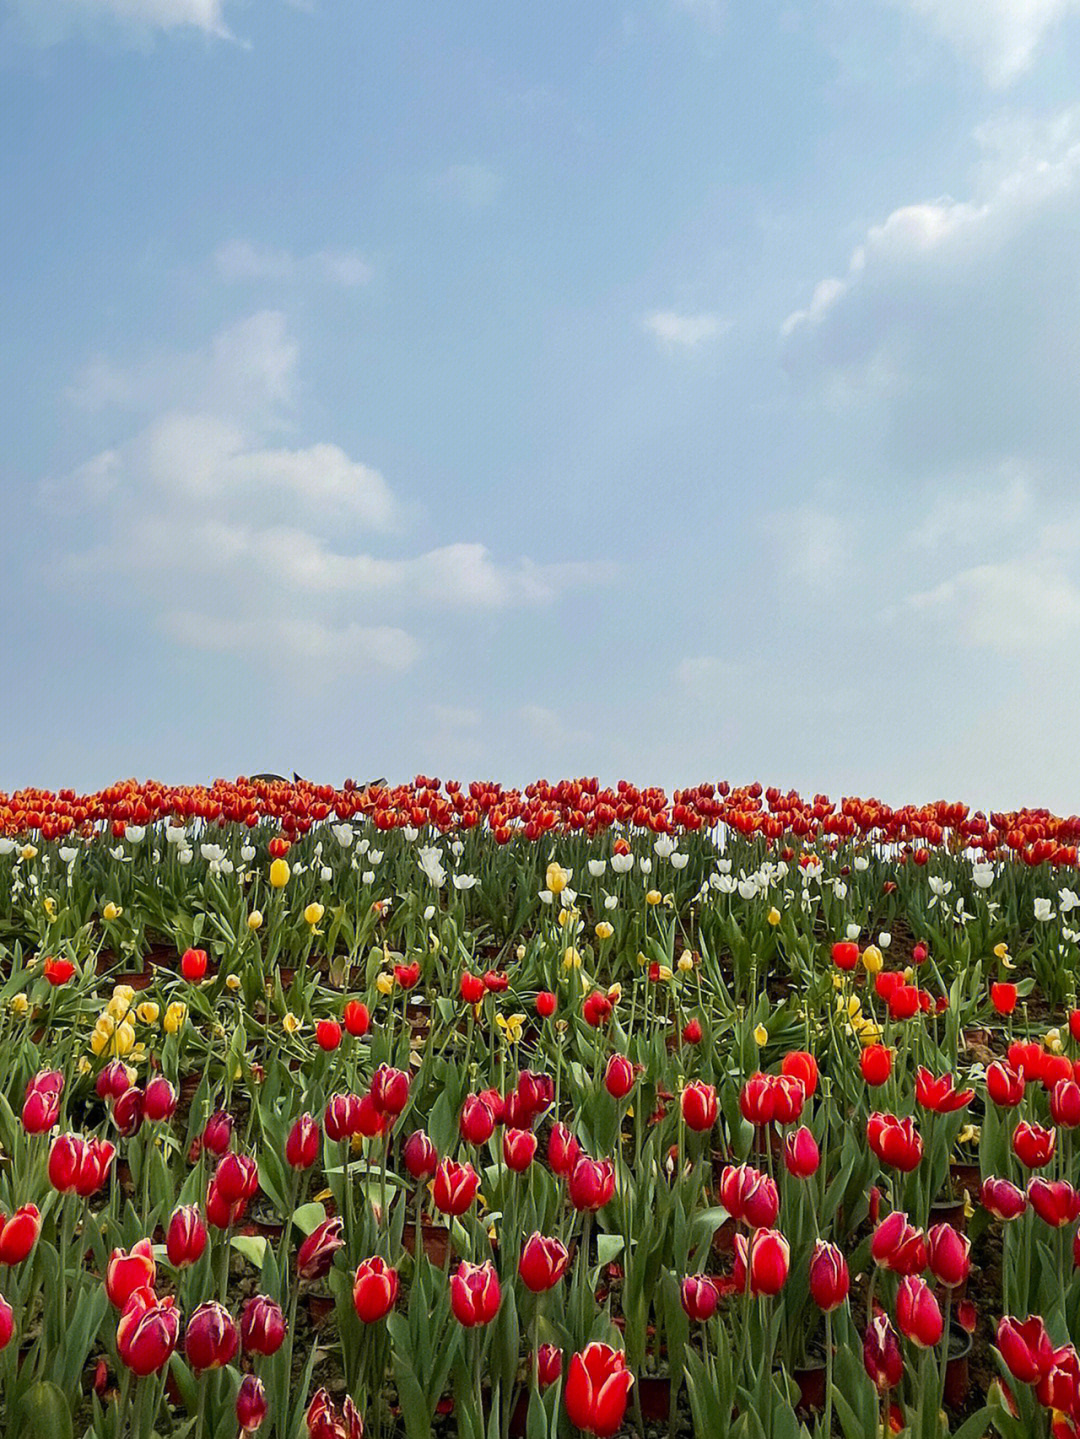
(433, 1110)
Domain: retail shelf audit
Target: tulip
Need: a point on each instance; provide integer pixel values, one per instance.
(147, 1332)
(127, 1112)
(236, 1177)
(757, 1100)
(535, 1094)
(789, 1097)
(898, 1246)
(407, 975)
(217, 1133)
(473, 988)
(896, 1142)
(800, 1065)
(597, 1008)
(591, 1184)
(917, 1312)
(113, 1080)
(1033, 1145)
(455, 1187)
(475, 1294)
(1002, 1199)
(323, 1422)
(262, 1326)
(477, 1123)
(519, 1149)
(302, 1145)
(193, 964)
(279, 874)
(357, 1018)
(159, 1099)
(546, 1005)
(830, 1279)
(1003, 997)
(749, 1196)
(940, 1095)
(129, 1272)
(328, 1034)
(340, 1118)
(185, 1238)
(801, 1153)
(57, 971)
(375, 1290)
(19, 1234)
(420, 1155)
(845, 954)
(7, 1323)
(1056, 1202)
(692, 1031)
(211, 1339)
(619, 1076)
(881, 1354)
(251, 1408)
(597, 1386)
(41, 1107)
(543, 1263)
(769, 1257)
(389, 1090)
(563, 1150)
(316, 1254)
(78, 1165)
(1004, 1085)
(221, 1212)
(699, 1297)
(548, 1365)
(1025, 1347)
(1065, 1103)
(699, 1106)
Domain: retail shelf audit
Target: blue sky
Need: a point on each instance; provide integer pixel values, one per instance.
(673, 390)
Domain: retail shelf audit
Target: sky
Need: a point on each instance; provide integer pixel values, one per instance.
(669, 390)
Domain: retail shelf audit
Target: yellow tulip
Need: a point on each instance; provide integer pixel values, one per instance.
(19, 1004)
(556, 878)
(313, 913)
(232, 981)
(653, 897)
(148, 1012)
(28, 851)
(98, 1041)
(124, 1037)
(604, 930)
(773, 916)
(111, 912)
(254, 920)
(48, 904)
(290, 1024)
(873, 960)
(279, 873)
(571, 959)
(175, 1017)
(686, 961)
(761, 1035)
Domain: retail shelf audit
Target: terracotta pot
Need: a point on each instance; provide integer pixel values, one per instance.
(724, 1237)
(436, 1242)
(655, 1394)
(965, 1176)
(949, 1211)
(320, 1307)
(811, 1384)
(957, 1377)
(519, 1416)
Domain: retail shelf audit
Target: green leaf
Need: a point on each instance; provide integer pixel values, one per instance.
(608, 1246)
(44, 1413)
(251, 1246)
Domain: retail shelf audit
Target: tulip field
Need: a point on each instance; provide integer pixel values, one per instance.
(455, 1110)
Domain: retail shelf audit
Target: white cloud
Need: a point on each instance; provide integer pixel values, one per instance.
(472, 184)
(1016, 607)
(240, 260)
(976, 513)
(675, 331)
(46, 22)
(814, 545)
(999, 36)
(305, 643)
(456, 717)
(549, 728)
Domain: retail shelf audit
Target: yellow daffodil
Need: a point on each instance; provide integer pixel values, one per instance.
(653, 896)
(773, 916)
(384, 982)
(175, 1017)
(148, 1012)
(604, 930)
(18, 1004)
(313, 913)
(556, 879)
(571, 958)
(254, 920)
(111, 912)
(1001, 950)
(279, 873)
(873, 960)
(291, 1024)
(761, 1035)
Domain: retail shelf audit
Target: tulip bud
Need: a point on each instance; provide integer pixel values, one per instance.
(389, 1090)
(193, 964)
(543, 1263)
(211, 1339)
(699, 1297)
(302, 1144)
(454, 1187)
(357, 1018)
(113, 1080)
(769, 1256)
(217, 1134)
(477, 1123)
(147, 1332)
(420, 1155)
(1002, 1199)
(548, 1365)
(619, 1076)
(7, 1323)
(262, 1326)
(563, 1150)
(881, 1354)
(127, 1112)
(830, 1279)
(917, 1312)
(801, 1154)
(699, 1106)
(19, 1234)
(251, 1408)
(316, 1254)
(519, 1149)
(159, 1099)
(126, 1273)
(591, 1184)
(328, 1034)
(546, 1005)
(475, 1295)
(185, 1239)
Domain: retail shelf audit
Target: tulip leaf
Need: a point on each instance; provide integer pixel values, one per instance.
(251, 1246)
(44, 1413)
(308, 1217)
(608, 1246)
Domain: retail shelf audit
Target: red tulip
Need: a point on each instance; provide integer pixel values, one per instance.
(757, 1100)
(340, 1119)
(127, 1112)
(896, 1142)
(185, 1239)
(904, 1002)
(881, 1354)
(251, 1408)
(357, 1018)
(129, 1272)
(619, 1076)
(328, 1034)
(940, 1095)
(113, 1080)
(323, 1421)
(407, 975)
(147, 1332)
(1074, 1024)
(57, 971)
(221, 1212)
(1004, 1085)
(1033, 1145)
(1002, 1199)
(548, 1365)
(193, 964)
(419, 1155)
(19, 1234)
(236, 1177)
(7, 1323)
(597, 1008)
(1003, 997)
(1065, 1103)
(217, 1132)
(519, 1149)
(845, 954)
(898, 1246)
(830, 1279)
(1025, 1347)
(563, 1150)
(801, 1153)
(749, 1195)
(375, 1290)
(917, 1312)
(159, 1099)
(543, 1263)
(799, 1064)
(455, 1187)
(477, 1123)
(546, 1005)
(475, 1294)
(79, 1165)
(597, 1386)
(591, 1184)
(699, 1297)
(389, 1090)
(41, 1107)
(211, 1339)
(473, 988)
(1055, 1201)
(262, 1326)
(699, 1106)
(316, 1254)
(302, 1144)
(875, 1061)
(768, 1260)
